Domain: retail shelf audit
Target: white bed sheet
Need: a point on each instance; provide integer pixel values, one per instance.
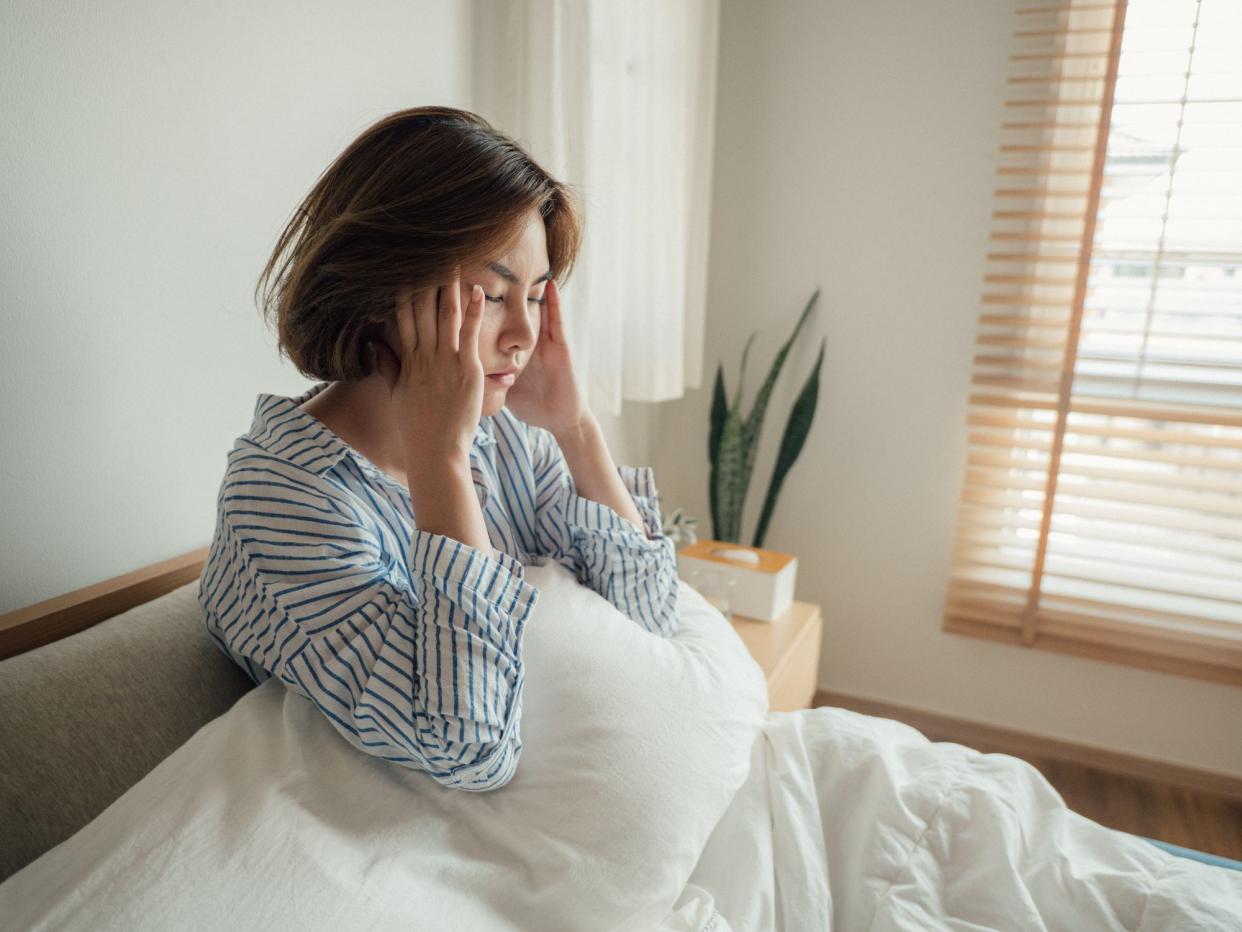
(852, 822)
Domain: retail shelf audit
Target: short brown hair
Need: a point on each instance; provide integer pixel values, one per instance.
(418, 193)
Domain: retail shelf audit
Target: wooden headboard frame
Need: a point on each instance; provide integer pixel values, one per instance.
(63, 615)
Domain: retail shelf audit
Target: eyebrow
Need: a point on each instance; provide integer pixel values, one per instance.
(508, 276)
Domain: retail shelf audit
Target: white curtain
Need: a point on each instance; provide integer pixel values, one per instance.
(617, 97)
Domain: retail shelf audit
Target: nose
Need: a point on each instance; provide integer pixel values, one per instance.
(520, 329)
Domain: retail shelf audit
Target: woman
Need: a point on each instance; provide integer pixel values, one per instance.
(371, 532)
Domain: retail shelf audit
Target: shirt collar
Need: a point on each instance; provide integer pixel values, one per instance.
(283, 429)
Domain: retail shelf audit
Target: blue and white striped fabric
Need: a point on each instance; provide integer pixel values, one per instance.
(408, 641)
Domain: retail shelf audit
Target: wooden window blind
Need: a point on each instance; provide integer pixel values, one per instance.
(1101, 510)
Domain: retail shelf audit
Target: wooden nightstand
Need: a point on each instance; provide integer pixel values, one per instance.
(788, 651)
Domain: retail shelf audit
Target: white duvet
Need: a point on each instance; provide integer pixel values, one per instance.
(654, 791)
(851, 822)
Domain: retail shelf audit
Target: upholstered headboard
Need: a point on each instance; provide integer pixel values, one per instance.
(84, 718)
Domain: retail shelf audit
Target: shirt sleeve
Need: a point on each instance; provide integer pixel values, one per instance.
(635, 570)
(417, 661)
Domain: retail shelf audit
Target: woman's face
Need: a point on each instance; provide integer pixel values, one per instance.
(513, 287)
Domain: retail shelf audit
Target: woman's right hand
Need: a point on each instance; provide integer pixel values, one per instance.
(436, 382)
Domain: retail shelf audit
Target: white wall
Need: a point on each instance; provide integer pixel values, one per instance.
(855, 150)
(151, 154)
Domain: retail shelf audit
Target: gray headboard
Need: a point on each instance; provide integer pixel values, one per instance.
(85, 718)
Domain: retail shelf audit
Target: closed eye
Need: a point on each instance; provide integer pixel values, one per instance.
(498, 299)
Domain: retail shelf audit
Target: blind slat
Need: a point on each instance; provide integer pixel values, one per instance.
(1128, 583)
(1005, 508)
(1115, 408)
(1120, 534)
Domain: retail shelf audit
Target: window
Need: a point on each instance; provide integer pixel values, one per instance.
(1101, 512)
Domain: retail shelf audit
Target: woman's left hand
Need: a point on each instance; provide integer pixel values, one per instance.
(546, 391)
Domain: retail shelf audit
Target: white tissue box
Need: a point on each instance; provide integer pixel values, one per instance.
(763, 586)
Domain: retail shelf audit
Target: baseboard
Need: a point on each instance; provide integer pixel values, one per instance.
(1026, 745)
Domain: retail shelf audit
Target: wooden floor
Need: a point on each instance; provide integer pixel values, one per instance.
(1183, 817)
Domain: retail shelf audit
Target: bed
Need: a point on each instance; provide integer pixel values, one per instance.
(148, 784)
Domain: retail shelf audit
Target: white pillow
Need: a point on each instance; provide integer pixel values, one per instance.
(633, 747)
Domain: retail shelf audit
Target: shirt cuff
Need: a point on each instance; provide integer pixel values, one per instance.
(449, 566)
(639, 481)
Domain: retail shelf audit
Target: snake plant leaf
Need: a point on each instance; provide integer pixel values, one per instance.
(731, 478)
(719, 407)
(733, 489)
(796, 430)
(754, 422)
(741, 373)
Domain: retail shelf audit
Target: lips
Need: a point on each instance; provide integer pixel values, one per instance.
(507, 377)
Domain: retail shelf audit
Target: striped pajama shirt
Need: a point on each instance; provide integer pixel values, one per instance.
(409, 642)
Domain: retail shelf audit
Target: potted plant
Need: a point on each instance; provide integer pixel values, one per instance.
(733, 440)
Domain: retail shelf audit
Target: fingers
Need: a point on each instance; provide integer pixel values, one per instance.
(425, 303)
(432, 319)
(472, 324)
(406, 317)
(552, 314)
(448, 317)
